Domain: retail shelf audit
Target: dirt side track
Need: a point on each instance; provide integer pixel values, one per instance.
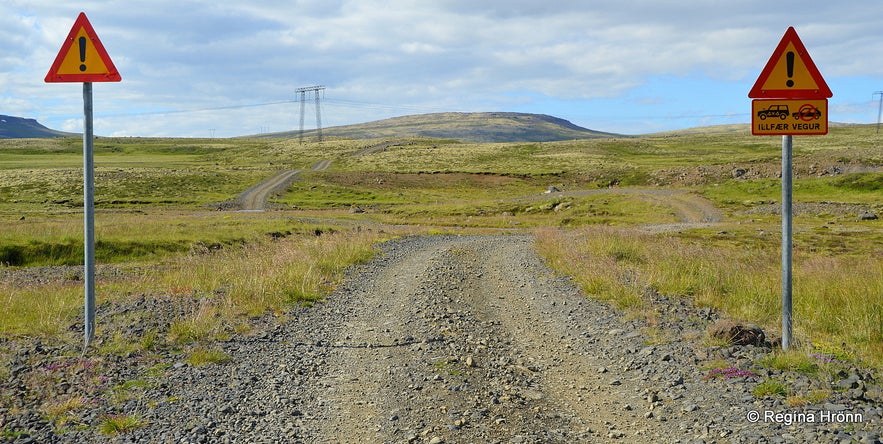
(460, 340)
(255, 198)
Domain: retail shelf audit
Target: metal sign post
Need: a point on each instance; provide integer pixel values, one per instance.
(787, 228)
(88, 213)
(879, 109)
(82, 58)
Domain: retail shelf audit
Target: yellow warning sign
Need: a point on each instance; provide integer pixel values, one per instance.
(790, 73)
(82, 57)
(789, 117)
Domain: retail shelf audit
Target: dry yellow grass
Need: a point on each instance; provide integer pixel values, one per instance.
(256, 279)
(838, 301)
(41, 311)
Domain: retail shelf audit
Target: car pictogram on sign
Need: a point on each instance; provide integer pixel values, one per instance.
(807, 112)
(780, 111)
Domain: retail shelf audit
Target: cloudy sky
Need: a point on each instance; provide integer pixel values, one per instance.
(227, 68)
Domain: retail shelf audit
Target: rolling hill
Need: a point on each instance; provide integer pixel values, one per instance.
(20, 128)
(466, 127)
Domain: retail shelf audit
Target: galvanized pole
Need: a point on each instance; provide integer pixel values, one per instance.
(318, 117)
(303, 103)
(879, 109)
(787, 145)
(89, 213)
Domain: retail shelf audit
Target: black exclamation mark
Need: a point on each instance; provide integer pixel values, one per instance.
(82, 42)
(789, 60)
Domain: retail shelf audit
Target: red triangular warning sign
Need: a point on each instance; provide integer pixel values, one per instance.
(82, 57)
(790, 73)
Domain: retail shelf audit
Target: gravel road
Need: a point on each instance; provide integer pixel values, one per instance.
(472, 339)
(255, 198)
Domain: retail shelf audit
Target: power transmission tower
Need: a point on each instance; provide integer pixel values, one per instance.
(303, 101)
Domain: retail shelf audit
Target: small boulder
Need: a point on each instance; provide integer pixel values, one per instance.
(737, 333)
(867, 215)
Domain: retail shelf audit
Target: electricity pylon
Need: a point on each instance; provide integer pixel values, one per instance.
(303, 101)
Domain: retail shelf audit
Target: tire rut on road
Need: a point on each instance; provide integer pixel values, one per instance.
(470, 340)
(539, 316)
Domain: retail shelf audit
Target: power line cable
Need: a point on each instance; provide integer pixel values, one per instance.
(416, 108)
(195, 110)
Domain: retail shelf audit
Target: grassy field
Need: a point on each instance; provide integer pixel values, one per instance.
(157, 222)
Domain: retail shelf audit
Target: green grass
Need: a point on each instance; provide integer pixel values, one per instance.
(812, 397)
(269, 276)
(792, 360)
(857, 188)
(40, 310)
(339, 188)
(156, 198)
(40, 176)
(131, 389)
(118, 424)
(473, 200)
(71, 251)
(11, 435)
(771, 388)
(836, 299)
(203, 356)
(56, 190)
(262, 276)
(136, 236)
(202, 324)
(61, 411)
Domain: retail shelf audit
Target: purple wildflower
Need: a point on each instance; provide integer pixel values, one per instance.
(824, 358)
(56, 366)
(730, 373)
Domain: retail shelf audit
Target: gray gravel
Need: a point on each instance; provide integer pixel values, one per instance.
(448, 340)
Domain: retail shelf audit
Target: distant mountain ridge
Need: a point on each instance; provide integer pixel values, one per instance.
(465, 127)
(12, 127)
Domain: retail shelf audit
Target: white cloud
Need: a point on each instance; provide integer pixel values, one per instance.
(402, 55)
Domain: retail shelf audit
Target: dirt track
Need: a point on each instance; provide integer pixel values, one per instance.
(255, 198)
(691, 209)
(470, 340)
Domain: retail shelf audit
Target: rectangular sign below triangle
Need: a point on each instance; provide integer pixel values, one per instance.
(790, 73)
(82, 57)
(789, 117)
